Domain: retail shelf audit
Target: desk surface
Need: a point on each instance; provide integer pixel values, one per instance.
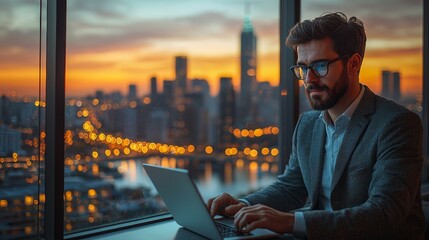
(164, 230)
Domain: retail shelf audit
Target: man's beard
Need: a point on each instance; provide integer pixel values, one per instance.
(334, 94)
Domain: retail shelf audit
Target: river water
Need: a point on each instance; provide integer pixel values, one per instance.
(211, 179)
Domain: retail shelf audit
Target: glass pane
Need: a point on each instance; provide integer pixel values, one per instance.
(21, 119)
(184, 84)
(392, 65)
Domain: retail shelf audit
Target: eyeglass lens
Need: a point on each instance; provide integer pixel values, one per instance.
(319, 69)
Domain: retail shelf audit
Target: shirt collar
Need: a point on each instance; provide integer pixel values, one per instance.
(348, 113)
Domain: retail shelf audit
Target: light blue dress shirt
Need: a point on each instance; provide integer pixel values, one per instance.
(334, 137)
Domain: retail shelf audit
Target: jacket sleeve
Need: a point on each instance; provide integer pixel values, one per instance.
(288, 192)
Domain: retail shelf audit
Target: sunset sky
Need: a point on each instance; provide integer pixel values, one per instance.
(114, 43)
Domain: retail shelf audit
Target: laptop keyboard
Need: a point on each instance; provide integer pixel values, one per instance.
(229, 231)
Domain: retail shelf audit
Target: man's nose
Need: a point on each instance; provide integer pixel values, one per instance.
(311, 77)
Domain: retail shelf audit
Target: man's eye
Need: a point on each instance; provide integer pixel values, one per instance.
(319, 66)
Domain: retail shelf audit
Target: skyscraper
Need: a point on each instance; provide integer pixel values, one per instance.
(386, 87)
(396, 79)
(226, 110)
(168, 91)
(248, 69)
(154, 90)
(181, 73)
(391, 85)
(196, 119)
(179, 131)
(132, 92)
(153, 87)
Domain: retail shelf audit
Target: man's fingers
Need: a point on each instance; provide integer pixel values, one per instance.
(209, 203)
(261, 223)
(233, 209)
(260, 216)
(242, 223)
(251, 217)
(219, 204)
(214, 206)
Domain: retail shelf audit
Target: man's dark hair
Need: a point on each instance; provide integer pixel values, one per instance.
(348, 36)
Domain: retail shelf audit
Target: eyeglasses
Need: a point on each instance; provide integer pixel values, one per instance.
(320, 68)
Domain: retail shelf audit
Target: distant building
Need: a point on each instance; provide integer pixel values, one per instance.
(4, 118)
(168, 93)
(132, 92)
(113, 120)
(99, 94)
(211, 109)
(10, 141)
(115, 97)
(130, 122)
(386, 87)
(154, 89)
(178, 131)
(4, 110)
(396, 79)
(73, 120)
(391, 85)
(267, 105)
(226, 111)
(248, 68)
(27, 114)
(181, 73)
(200, 86)
(196, 119)
(157, 130)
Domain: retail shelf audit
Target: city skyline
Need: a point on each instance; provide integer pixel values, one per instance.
(114, 45)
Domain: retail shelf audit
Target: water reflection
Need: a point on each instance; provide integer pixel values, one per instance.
(211, 178)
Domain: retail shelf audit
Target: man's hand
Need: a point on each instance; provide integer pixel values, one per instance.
(261, 216)
(225, 205)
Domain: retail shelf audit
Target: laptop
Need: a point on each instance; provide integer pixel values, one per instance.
(185, 203)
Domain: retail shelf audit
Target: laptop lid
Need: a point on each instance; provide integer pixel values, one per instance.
(182, 199)
(184, 202)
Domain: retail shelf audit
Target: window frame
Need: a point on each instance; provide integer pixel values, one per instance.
(425, 92)
(55, 117)
(289, 88)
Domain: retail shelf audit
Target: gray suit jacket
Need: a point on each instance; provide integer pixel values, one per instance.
(376, 181)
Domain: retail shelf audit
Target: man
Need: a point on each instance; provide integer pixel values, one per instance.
(354, 171)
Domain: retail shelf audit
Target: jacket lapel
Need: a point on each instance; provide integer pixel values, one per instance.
(316, 159)
(356, 127)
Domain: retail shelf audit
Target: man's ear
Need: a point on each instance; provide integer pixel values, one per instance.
(355, 62)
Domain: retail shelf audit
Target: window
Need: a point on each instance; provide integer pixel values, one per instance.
(185, 84)
(22, 104)
(22, 124)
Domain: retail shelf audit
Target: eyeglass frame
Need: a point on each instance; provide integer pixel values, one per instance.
(310, 67)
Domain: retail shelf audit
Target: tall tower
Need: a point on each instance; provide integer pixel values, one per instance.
(181, 73)
(248, 68)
